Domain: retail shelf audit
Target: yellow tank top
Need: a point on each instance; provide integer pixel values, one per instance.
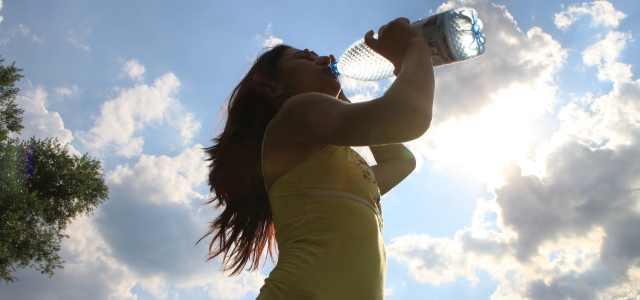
(328, 222)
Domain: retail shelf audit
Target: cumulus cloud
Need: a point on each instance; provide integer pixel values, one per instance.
(143, 236)
(153, 220)
(567, 236)
(134, 108)
(567, 232)
(490, 103)
(511, 57)
(604, 53)
(167, 179)
(90, 271)
(38, 121)
(601, 12)
(358, 91)
(134, 70)
(188, 127)
(606, 121)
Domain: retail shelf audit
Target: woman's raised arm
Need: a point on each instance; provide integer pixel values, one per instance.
(402, 114)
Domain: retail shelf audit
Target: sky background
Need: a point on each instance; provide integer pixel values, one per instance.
(527, 185)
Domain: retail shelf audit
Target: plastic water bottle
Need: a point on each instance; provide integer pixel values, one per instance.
(452, 36)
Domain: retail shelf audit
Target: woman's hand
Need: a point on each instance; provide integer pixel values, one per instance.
(393, 41)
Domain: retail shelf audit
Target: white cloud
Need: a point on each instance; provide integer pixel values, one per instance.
(73, 39)
(388, 292)
(143, 236)
(487, 110)
(66, 91)
(568, 231)
(271, 41)
(21, 30)
(36, 38)
(154, 202)
(602, 13)
(605, 122)
(604, 53)
(131, 111)
(606, 50)
(268, 42)
(227, 288)
(611, 120)
(90, 270)
(545, 239)
(38, 121)
(134, 70)
(166, 179)
(433, 260)
(24, 30)
(188, 128)
(358, 91)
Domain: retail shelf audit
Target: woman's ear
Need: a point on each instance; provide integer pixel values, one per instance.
(274, 90)
(268, 86)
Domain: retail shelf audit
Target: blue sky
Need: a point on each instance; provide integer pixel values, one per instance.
(527, 184)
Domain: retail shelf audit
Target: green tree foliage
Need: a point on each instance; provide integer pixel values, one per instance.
(42, 188)
(10, 114)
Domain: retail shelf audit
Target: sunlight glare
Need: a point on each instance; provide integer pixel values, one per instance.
(502, 133)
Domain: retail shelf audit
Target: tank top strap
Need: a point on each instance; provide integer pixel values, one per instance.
(262, 157)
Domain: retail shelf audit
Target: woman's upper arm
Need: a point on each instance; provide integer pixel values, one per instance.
(317, 118)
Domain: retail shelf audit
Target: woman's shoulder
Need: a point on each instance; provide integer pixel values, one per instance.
(280, 156)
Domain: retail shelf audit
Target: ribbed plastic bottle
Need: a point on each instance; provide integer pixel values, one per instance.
(454, 35)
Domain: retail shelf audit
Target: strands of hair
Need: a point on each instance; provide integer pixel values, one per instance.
(244, 228)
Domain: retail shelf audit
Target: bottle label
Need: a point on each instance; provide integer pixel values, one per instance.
(433, 28)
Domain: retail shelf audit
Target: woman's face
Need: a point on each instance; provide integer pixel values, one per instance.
(303, 71)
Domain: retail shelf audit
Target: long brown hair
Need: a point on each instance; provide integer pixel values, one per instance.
(245, 227)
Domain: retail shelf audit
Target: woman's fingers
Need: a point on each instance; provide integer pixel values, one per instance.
(381, 29)
(404, 20)
(392, 41)
(370, 41)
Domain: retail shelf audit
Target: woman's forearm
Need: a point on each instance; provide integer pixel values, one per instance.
(391, 152)
(394, 163)
(414, 87)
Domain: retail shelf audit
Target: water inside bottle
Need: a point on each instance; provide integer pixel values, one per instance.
(362, 63)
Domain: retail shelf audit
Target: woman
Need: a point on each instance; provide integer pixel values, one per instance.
(283, 168)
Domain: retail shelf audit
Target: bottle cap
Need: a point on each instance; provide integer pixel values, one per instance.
(334, 68)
